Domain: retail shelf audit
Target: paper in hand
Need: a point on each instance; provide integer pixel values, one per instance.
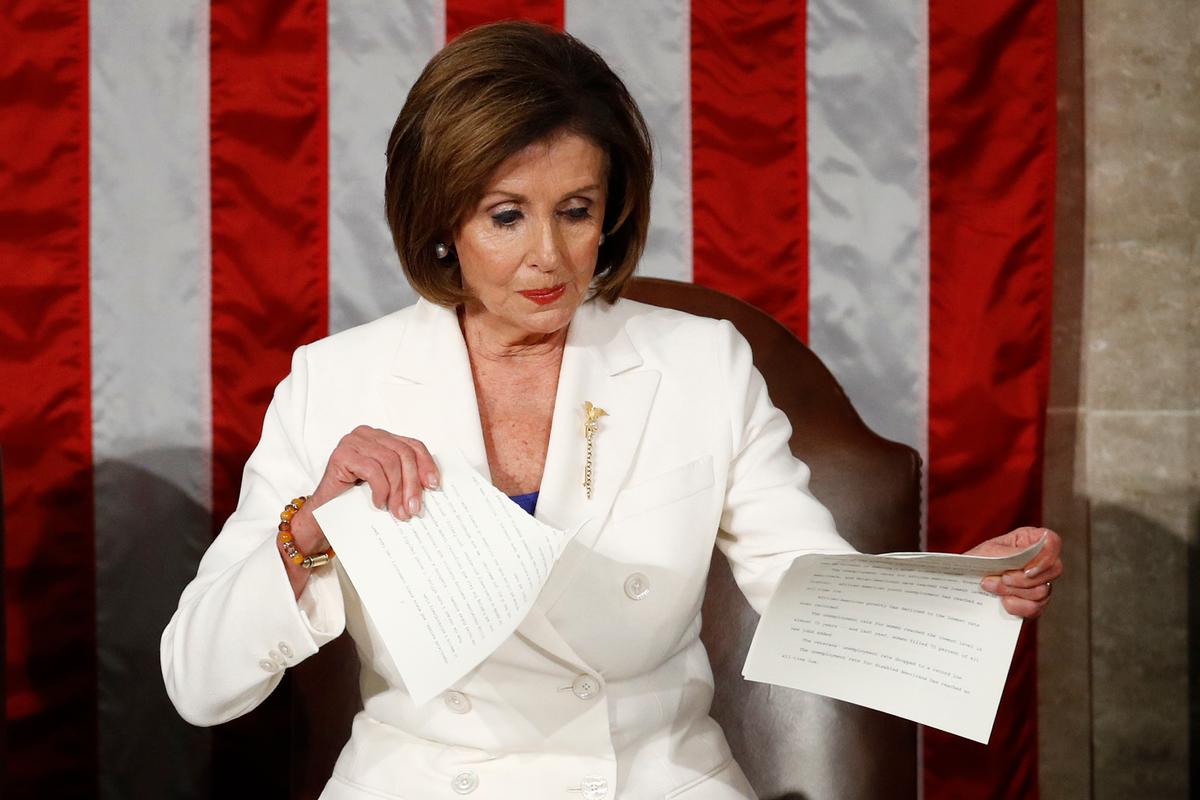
(910, 634)
(446, 588)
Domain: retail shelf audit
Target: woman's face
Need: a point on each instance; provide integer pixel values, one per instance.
(528, 248)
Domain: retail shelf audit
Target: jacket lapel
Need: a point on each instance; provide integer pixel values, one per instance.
(600, 365)
(429, 393)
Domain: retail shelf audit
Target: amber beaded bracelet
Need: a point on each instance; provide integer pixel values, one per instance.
(288, 542)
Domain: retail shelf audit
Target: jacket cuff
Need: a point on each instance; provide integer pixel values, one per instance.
(322, 610)
(290, 630)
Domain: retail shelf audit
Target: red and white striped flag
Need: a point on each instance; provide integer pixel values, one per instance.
(189, 190)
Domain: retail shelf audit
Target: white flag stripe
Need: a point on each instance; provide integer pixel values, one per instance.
(377, 49)
(647, 44)
(149, 277)
(868, 207)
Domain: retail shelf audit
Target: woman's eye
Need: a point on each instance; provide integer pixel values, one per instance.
(579, 212)
(506, 218)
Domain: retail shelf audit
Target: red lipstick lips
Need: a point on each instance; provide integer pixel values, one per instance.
(545, 296)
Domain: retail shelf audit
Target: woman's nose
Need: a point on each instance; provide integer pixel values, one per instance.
(545, 251)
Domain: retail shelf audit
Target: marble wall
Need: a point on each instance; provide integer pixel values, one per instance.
(1118, 651)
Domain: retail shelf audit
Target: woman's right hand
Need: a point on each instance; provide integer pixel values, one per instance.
(397, 468)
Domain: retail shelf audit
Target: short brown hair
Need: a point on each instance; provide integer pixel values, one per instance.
(486, 96)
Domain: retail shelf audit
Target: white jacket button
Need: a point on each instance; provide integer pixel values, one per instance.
(593, 787)
(285, 649)
(268, 665)
(637, 586)
(457, 702)
(585, 687)
(465, 782)
(275, 656)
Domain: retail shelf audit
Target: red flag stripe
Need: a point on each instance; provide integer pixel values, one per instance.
(269, 213)
(991, 143)
(45, 402)
(462, 15)
(749, 172)
(268, 134)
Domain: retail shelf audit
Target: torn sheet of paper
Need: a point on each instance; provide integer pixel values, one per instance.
(446, 588)
(910, 634)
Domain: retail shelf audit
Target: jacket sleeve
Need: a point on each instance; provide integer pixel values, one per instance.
(238, 625)
(769, 517)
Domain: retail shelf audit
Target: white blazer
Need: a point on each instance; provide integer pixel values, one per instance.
(605, 688)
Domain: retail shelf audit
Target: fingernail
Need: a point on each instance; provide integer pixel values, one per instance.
(414, 505)
(991, 583)
(1029, 573)
(431, 481)
(1007, 579)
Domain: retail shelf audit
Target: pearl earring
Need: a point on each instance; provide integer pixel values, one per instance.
(441, 250)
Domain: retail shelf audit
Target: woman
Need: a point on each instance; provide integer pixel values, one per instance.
(518, 186)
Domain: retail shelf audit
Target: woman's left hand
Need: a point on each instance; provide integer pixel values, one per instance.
(1025, 592)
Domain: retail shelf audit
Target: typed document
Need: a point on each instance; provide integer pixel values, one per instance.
(446, 588)
(910, 634)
